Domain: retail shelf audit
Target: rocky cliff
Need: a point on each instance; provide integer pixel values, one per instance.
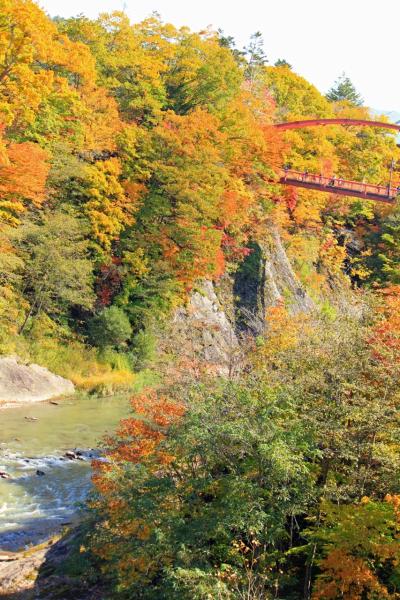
(205, 332)
(265, 279)
(210, 327)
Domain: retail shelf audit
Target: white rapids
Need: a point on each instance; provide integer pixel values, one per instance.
(44, 489)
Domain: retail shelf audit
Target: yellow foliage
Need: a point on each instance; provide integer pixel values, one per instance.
(332, 255)
(29, 37)
(282, 333)
(110, 206)
(105, 380)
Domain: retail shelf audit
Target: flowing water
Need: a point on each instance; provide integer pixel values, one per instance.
(45, 488)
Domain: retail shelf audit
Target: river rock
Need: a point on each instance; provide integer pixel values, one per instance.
(4, 475)
(26, 383)
(70, 454)
(40, 473)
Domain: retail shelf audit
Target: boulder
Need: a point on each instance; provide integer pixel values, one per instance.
(26, 383)
(70, 455)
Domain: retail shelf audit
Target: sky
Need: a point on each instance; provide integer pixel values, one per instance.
(321, 39)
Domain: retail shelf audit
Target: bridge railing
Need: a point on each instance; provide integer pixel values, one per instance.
(339, 183)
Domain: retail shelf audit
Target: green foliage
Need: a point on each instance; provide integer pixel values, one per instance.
(281, 62)
(224, 500)
(111, 327)
(227, 41)
(205, 75)
(241, 467)
(255, 54)
(384, 260)
(343, 89)
(361, 209)
(294, 95)
(56, 273)
(144, 348)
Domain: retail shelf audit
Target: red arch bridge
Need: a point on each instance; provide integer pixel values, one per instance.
(337, 185)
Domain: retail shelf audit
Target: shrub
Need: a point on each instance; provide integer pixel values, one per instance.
(111, 327)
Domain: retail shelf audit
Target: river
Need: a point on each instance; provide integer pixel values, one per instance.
(45, 488)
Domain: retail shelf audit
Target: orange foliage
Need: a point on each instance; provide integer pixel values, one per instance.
(137, 440)
(352, 567)
(347, 577)
(139, 436)
(385, 340)
(23, 177)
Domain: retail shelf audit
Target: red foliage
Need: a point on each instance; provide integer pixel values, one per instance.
(138, 437)
(290, 197)
(108, 283)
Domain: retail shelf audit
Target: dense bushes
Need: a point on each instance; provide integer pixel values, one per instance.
(259, 488)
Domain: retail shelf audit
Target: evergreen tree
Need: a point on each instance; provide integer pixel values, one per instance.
(256, 57)
(228, 41)
(281, 62)
(343, 89)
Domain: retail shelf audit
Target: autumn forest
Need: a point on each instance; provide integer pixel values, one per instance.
(139, 177)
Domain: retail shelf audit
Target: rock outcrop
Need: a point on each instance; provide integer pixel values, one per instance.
(266, 278)
(209, 329)
(18, 571)
(279, 279)
(21, 383)
(205, 332)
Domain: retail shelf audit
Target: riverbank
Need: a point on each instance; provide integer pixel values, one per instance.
(47, 571)
(9, 405)
(19, 571)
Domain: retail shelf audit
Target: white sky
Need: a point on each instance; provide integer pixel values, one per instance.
(320, 38)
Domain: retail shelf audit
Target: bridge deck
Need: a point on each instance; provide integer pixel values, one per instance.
(333, 185)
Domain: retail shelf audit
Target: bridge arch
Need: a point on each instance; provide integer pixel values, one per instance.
(319, 122)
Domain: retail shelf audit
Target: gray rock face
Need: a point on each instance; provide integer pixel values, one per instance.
(21, 383)
(205, 331)
(265, 279)
(208, 329)
(279, 278)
